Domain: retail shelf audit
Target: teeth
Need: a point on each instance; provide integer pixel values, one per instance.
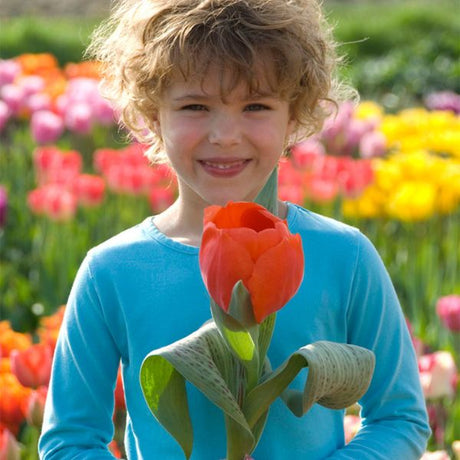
(223, 165)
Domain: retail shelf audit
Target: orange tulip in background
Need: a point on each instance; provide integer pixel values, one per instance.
(243, 241)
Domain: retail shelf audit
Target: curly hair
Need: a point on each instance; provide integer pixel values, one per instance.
(145, 43)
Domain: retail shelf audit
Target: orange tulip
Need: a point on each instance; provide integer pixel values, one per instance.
(10, 339)
(243, 241)
(32, 367)
(13, 402)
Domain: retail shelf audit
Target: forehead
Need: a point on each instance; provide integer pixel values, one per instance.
(224, 79)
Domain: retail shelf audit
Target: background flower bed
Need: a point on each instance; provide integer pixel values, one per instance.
(390, 167)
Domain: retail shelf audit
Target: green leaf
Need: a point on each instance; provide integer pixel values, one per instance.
(268, 196)
(240, 331)
(240, 306)
(203, 359)
(165, 393)
(339, 375)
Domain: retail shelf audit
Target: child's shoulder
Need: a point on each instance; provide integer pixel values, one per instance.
(303, 220)
(127, 244)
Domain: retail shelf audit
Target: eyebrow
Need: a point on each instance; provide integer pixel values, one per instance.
(249, 97)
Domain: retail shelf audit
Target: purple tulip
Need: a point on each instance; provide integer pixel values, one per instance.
(443, 100)
(372, 144)
(46, 126)
(3, 206)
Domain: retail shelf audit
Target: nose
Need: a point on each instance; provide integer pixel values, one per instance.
(225, 130)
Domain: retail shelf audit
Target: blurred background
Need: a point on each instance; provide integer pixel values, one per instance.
(70, 178)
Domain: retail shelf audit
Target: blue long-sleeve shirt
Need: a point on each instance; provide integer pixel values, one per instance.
(140, 291)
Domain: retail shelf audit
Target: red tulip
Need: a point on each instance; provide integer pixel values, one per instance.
(243, 241)
(32, 367)
(89, 189)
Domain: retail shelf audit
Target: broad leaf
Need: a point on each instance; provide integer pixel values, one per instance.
(194, 359)
(338, 375)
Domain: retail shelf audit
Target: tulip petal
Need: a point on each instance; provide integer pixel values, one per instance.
(223, 262)
(277, 276)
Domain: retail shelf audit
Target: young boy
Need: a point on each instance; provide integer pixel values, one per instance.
(220, 88)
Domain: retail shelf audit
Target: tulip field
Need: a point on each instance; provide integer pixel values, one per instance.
(70, 178)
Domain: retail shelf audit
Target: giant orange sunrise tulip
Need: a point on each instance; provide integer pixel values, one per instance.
(243, 241)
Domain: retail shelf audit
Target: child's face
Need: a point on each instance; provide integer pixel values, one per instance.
(221, 150)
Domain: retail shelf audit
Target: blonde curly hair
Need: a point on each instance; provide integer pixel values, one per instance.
(143, 44)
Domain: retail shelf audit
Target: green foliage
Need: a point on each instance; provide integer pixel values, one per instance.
(399, 51)
(396, 51)
(65, 38)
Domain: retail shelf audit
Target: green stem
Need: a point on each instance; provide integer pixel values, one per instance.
(238, 442)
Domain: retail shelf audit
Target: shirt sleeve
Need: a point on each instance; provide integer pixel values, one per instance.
(393, 411)
(80, 403)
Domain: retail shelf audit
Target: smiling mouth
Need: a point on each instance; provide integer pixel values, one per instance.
(224, 168)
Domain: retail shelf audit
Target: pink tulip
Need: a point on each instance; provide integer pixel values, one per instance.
(36, 406)
(3, 206)
(351, 424)
(9, 447)
(39, 101)
(32, 367)
(46, 127)
(14, 97)
(438, 375)
(293, 193)
(448, 309)
(4, 115)
(31, 84)
(103, 112)
(305, 153)
(438, 455)
(372, 144)
(78, 118)
(9, 70)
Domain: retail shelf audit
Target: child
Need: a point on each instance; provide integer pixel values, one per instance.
(221, 88)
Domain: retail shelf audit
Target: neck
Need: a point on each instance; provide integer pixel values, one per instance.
(183, 224)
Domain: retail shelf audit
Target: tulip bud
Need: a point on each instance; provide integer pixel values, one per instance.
(448, 309)
(244, 242)
(9, 447)
(36, 406)
(32, 367)
(438, 375)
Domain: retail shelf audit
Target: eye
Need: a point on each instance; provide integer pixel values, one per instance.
(194, 107)
(256, 107)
